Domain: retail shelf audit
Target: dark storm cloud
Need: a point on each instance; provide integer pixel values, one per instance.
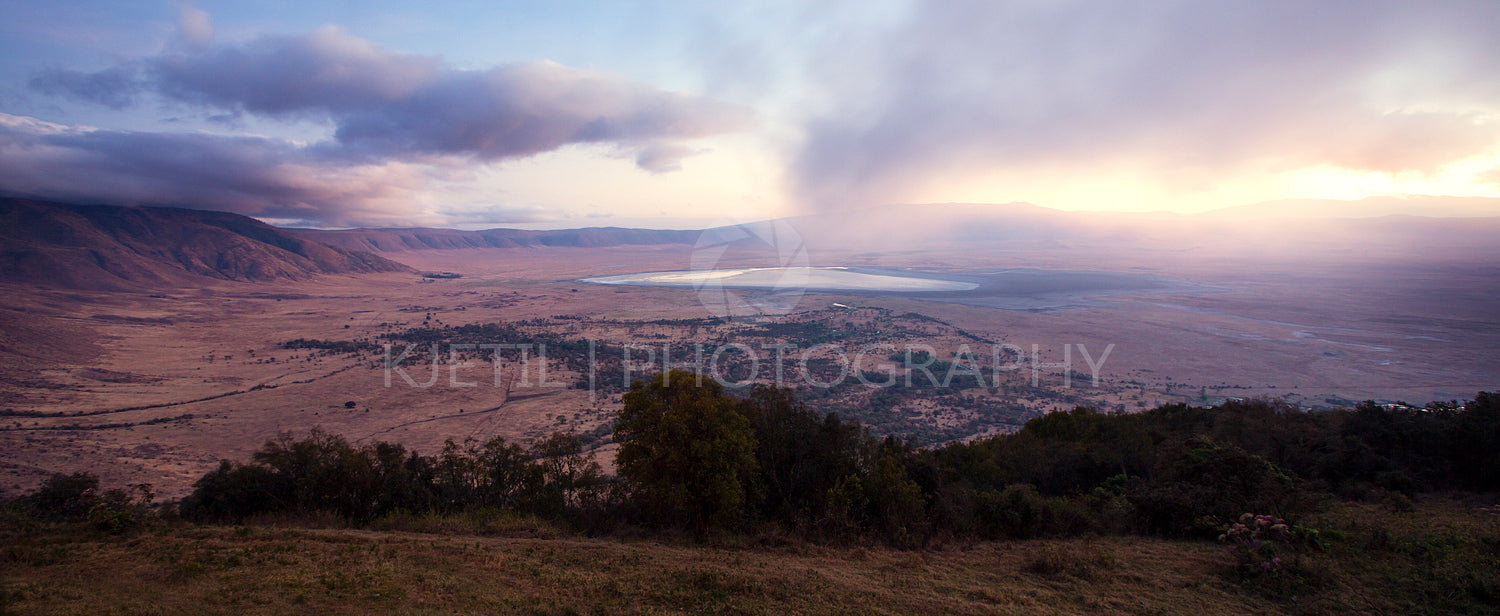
(389, 111)
(388, 104)
(532, 108)
(256, 176)
(325, 72)
(1179, 90)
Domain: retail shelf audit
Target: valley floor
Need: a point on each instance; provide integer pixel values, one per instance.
(157, 387)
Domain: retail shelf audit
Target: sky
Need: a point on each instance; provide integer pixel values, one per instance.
(683, 114)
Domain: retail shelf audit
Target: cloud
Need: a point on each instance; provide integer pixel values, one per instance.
(389, 111)
(256, 176)
(116, 87)
(663, 158)
(388, 104)
(1489, 176)
(1174, 91)
(532, 108)
(193, 25)
(326, 72)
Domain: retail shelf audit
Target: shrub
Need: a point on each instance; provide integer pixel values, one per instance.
(63, 497)
(895, 504)
(1201, 488)
(1020, 512)
(119, 511)
(1255, 542)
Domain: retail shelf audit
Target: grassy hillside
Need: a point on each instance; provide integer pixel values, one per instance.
(266, 571)
(1440, 558)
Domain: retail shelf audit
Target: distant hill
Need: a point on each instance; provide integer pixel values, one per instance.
(402, 240)
(108, 247)
(1360, 230)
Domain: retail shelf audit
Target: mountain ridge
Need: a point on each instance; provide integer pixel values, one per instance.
(389, 240)
(51, 244)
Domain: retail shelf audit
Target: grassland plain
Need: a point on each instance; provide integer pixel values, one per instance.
(157, 387)
(1441, 557)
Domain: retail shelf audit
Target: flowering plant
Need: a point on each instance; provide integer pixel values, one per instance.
(1253, 541)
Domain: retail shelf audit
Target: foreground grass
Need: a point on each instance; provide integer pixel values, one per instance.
(1442, 558)
(271, 571)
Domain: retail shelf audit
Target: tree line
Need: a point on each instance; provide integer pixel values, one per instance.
(696, 459)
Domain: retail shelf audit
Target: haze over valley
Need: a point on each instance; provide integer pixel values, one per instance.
(845, 307)
(153, 354)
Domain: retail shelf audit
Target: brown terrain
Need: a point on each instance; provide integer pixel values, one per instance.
(116, 248)
(146, 344)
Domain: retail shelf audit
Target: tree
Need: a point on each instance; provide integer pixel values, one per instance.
(896, 504)
(1476, 442)
(686, 449)
(570, 476)
(799, 454)
(320, 473)
(233, 492)
(492, 474)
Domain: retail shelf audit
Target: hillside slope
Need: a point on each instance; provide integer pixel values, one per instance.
(1373, 561)
(107, 247)
(258, 570)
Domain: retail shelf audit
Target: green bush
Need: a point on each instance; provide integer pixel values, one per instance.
(1204, 486)
(119, 511)
(1021, 512)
